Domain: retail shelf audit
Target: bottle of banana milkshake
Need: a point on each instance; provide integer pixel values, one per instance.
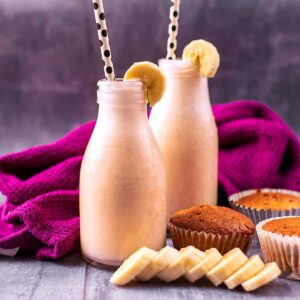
(123, 179)
(185, 128)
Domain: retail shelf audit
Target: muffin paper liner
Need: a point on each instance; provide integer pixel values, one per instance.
(283, 249)
(184, 237)
(258, 215)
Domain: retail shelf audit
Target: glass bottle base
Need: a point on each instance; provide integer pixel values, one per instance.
(111, 264)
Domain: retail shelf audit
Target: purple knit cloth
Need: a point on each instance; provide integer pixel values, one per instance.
(41, 213)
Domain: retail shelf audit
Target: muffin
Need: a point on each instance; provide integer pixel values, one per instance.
(280, 241)
(263, 204)
(207, 226)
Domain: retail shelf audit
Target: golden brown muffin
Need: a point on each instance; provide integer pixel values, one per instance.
(213, 219)
(285, 226)
(280, 242)
(206, 227)
(270, 201)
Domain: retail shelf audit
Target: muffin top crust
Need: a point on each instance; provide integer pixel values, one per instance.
(213, 219)
(285, 226)
(270, 201)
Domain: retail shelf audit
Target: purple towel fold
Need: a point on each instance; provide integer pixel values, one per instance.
(40, 213)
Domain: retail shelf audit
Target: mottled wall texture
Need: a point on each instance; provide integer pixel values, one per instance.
(50, 63)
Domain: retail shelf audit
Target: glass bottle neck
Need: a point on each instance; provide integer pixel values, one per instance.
(193, 89)
(121, 95)
(184, 84)
(121, 104)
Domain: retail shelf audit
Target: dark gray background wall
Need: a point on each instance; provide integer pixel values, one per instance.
(50, 63)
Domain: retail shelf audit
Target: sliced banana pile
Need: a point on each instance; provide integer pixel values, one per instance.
(168, 264)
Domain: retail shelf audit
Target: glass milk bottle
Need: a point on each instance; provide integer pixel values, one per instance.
(185, 130)
(122, 180)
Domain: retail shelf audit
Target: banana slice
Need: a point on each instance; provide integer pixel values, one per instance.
(164, 257)
(152, 77)
(270, 272)
(248, 270)
(204, 54)
(229, 264)
(188, 257)
(211, 258)
(132, 266)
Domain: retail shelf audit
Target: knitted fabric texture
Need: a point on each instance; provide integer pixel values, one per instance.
(41, 212)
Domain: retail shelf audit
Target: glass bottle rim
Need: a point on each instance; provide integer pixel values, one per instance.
(120, 85)
(133, 91)
(179, 67)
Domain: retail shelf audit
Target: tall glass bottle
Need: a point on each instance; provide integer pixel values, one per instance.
(185, 129)
(122, 180)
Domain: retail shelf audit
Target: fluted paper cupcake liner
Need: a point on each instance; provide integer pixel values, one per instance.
(283, 249)
(258, 215)
(203, 241)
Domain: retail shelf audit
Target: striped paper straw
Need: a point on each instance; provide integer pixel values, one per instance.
(173, 29)
(104, 40)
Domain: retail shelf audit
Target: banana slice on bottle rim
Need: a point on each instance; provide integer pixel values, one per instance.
(203, 54)
(152, 77)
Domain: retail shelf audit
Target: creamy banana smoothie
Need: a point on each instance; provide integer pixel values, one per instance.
(123, 180)
(185, 129)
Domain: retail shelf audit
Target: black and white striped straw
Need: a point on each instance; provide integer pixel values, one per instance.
(104, 40)
(173, 29)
